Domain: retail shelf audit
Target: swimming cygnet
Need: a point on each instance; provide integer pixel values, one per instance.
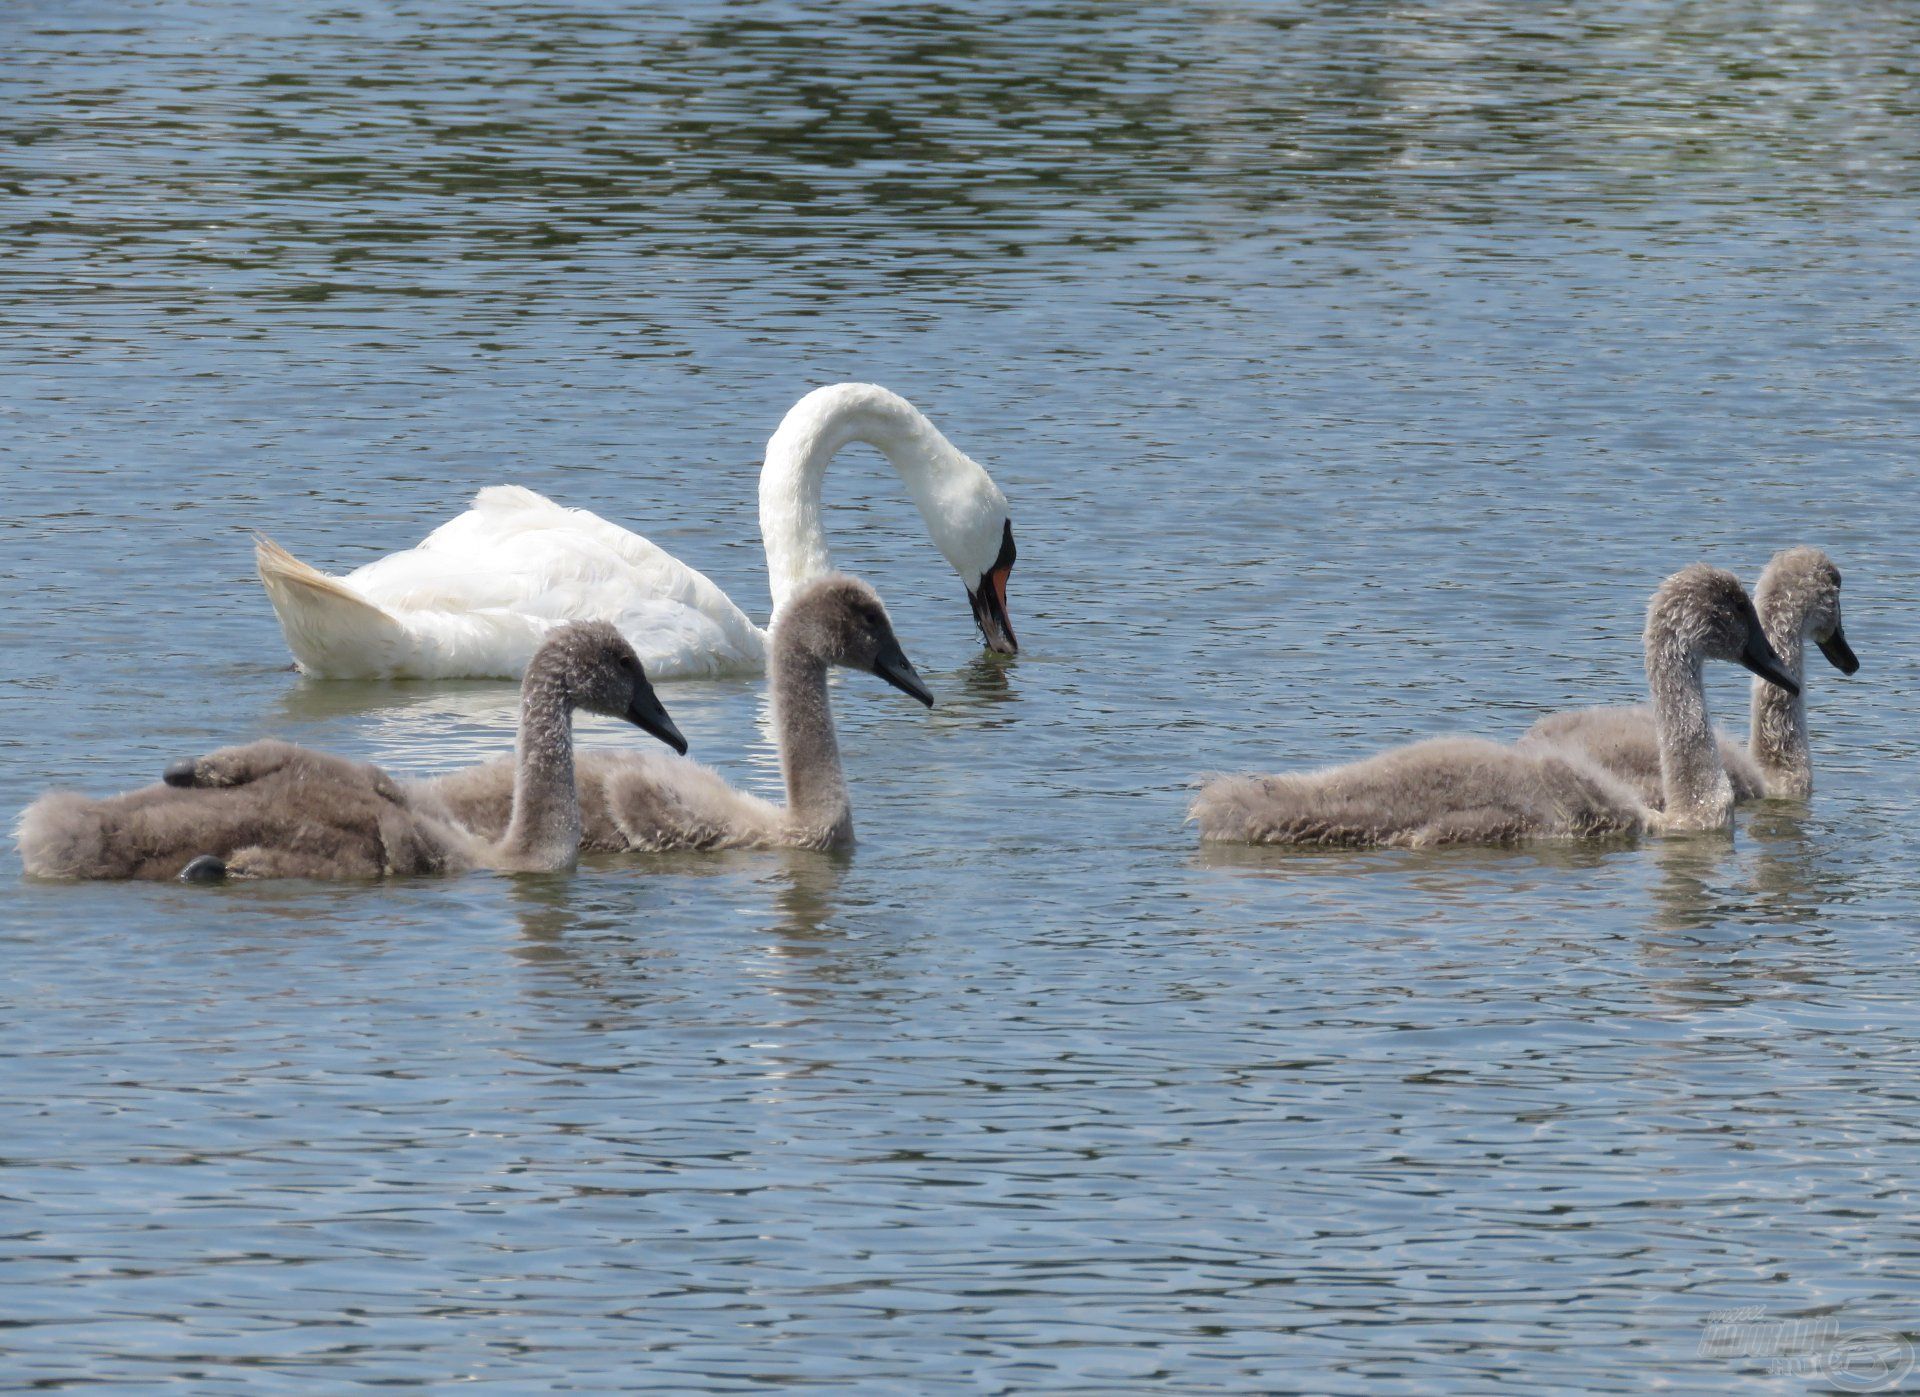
(648, 801)
(275, 810)
(1456, 790)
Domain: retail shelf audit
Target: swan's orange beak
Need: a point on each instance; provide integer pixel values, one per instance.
(989, 600)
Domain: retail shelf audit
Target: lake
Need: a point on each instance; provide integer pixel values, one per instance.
(1355, 372)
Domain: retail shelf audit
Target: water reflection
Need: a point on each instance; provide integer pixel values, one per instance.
(370, 157)
(986, 682)
(1689, 891)
(601, 929)
(1316, 341)
(421, 727)
(1771, 873)
(800, 888)
(411, 703)
(1433, 868)
(806, 893)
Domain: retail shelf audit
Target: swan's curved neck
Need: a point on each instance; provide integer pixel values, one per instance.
(1778, 740)
(817, 801)
(947, 486)
(544, 833)
(1699, 796)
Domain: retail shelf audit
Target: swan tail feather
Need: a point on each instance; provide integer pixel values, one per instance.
(332, 630)
(62, 835)
(1291, 810)
(513, 497)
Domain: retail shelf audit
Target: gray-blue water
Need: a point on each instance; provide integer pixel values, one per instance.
(1355, 371)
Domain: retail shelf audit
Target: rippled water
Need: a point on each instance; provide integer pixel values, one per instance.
(1354, 370)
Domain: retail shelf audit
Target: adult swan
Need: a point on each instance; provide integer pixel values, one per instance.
(478, 595)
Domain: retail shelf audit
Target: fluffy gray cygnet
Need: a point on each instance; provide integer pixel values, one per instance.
(275, 810)
(648, 801)
(1456, 790)
(1798, 600)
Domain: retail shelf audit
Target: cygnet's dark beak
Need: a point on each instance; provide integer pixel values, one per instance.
(989, 599)
(645, 711)
(1839, 654)
(893, 666)
(1759, 657)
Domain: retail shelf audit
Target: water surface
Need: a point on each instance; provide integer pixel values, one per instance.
(1355, 372)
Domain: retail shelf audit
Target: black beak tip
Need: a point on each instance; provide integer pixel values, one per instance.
(1769, 669)
(658, 724)
(989, 599)
(181, 773)
(898, 671)
(1840, 654)
(910, 685)
(996, 629)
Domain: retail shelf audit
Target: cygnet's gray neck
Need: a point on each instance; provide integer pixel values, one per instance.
(544, 833)
(1699, 796)
(1778, 739)
(817, 799)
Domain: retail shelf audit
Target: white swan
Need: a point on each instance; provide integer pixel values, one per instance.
(475, 598)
